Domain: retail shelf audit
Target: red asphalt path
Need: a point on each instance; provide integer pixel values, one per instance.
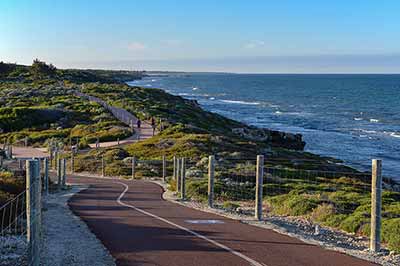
(138, 227)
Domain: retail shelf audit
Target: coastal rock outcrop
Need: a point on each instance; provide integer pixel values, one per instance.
(275, 138)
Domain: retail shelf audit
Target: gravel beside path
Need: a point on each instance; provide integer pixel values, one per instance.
(66, 239)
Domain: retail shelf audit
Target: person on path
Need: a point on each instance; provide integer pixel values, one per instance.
(138, 123)
(153, 124)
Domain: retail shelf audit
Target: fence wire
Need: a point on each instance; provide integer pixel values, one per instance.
(13, 216)
(322, 196)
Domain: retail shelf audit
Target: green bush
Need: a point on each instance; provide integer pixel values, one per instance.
(10, 186)
(391, 233)
(229, 205)
(197, 189)
(322, 212)
(293, 204)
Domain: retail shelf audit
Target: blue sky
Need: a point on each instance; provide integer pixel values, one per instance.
(237, 35)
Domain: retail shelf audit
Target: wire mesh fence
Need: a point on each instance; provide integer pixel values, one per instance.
(21, 214)
(327, 194)
(129, 167)
(321, 196)
(13, 216)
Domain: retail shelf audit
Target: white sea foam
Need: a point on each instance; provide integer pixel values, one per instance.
(395, 135)
(374, 120)
(358, 118)
(212, 98)
(240, 102)
(368, 131)
(195, 88)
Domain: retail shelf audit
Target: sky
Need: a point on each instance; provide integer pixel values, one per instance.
(257, 36)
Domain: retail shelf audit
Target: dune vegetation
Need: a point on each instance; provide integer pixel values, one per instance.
(38, 103)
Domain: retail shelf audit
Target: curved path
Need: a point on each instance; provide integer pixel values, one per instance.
(138, 227)
(144, 132)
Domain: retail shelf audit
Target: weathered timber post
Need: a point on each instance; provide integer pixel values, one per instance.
(72, 161)
(103, 172)
(38, 196)
(64, 172)
(183, 177)
(46, 175)
(56, 160)
(51, 156)
(59, 174)
(9, 151)
(211, 169)
(133, 167)
(32, 193)
(376, 208)
(178, 175)
(164, 168)
(174, 171)
(1, 161)
(259, 187)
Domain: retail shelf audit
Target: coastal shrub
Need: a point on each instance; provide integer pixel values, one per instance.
(229, 205)
(391, 233)
(197, 189)
(334, 220)
(18, 118)
(172, 184)
(117, 168)
(43, 135)
(322, 212)
(10, 186)
(293, 204)
(354, 222)
(115, 154)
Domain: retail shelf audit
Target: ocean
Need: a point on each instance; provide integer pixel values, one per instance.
(351, 117)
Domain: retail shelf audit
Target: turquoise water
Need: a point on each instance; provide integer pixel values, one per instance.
(351, 117)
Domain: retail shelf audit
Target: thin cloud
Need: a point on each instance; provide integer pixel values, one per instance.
(254, 44)
(172, 43)
(136, 46)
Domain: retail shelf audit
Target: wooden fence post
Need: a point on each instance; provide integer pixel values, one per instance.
(211, 168)
(259, 187)
(46, 175)
(38, 196)
(133, 167)
(178, 175)
(174, 171)
(376, 201)
(72, 161)
(183, 177)
(103, 172)
(51, 156)
(59, 173)
(33, 210)
(164, 169)
(64, 172)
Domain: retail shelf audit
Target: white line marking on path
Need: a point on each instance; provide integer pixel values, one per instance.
(251, 261)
